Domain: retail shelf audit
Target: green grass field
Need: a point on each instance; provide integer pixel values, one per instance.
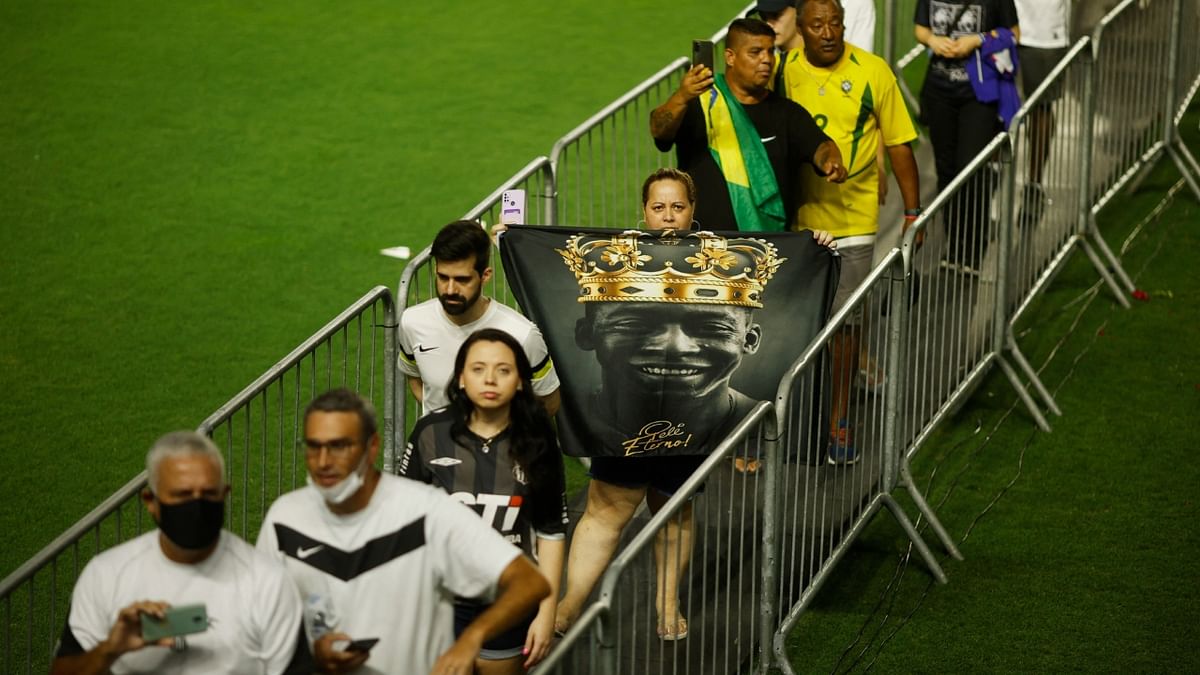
(1080, 545)
(191, 189)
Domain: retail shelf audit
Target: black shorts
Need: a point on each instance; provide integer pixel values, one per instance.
(664, 474)
(505, 645)
(1035, 64)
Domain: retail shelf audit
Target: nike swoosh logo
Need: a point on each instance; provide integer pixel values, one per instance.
(768, 139)
(303, 553)
(425, 349)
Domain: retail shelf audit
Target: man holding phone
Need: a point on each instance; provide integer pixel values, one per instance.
(219, 606)
(743, 144)
(378, 558)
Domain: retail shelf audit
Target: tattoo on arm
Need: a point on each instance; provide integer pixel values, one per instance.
(660, 122)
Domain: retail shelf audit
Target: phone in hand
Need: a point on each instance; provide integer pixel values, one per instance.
(512, 207)
(702, 52)
(181, 620)
(361, 645)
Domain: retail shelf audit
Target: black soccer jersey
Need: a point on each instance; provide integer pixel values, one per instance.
(481, 474)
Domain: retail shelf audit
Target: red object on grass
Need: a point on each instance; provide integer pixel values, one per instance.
(1139, 294)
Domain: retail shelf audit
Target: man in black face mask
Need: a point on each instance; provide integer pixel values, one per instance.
(253, 609)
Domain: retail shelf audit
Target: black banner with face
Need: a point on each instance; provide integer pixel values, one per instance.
(664, 341)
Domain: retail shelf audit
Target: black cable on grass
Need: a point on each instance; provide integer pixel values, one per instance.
(1090, 295)
(897, 576)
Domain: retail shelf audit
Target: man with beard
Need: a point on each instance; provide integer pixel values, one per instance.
(253, 608)
(432, 332)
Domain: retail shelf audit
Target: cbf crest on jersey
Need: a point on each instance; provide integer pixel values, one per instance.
(663, 342)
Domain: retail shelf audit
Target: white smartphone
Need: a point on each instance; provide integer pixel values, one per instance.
(512, 207)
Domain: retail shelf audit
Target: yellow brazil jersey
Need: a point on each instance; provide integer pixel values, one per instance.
(856, 103)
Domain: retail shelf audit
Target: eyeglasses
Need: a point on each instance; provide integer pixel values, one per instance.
(338, 447)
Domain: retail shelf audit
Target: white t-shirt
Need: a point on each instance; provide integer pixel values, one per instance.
(429, 341)
(389, 571)
(1044, 23)
(860, 23)
(253, 607)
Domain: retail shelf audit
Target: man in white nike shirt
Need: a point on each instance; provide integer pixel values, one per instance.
(379, 558)
(432, 332)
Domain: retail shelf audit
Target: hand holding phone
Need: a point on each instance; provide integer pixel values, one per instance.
(361, 645)
(335, 652)
(176, 621)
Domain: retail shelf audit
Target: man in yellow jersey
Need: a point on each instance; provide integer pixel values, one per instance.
(852, 95)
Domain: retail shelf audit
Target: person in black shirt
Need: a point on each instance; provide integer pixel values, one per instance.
(785, 130)
(494, 449)
(960, 126)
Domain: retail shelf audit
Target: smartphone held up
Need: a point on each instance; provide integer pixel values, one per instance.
(702, 53)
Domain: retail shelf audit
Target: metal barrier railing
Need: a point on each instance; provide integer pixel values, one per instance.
(1049, 144)
(952, 288)
(257, 431)
(598, 167)
(1130, 51)
(36, 595)
(261, 429)
(537, 181)
(827, 419)
(720, 588)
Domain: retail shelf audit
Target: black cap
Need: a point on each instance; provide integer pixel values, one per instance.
(771, 6)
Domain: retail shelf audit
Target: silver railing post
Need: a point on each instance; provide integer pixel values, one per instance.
(1171, 141)
(391, 337)
(889, 32)
(770, 436)
(1086, 141)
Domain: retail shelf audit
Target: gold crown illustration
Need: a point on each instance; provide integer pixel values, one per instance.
(695, 268)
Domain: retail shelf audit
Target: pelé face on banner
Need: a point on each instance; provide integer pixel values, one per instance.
(659, 337)
(688, 351)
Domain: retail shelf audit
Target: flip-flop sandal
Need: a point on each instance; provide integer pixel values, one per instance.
(746, 465)
(665, 635)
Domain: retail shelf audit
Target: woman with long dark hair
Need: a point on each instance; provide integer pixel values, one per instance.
(494, 448)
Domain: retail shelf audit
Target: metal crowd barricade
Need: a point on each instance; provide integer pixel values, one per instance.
(35, 597)
(720, 584)
(537, 182)
(600, 165)
(839, 451)
(260, 430)
(257, 431)
(953, 285)
(1135, 99)
(1048, 137)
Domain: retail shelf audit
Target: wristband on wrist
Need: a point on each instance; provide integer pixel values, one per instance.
(912, 214)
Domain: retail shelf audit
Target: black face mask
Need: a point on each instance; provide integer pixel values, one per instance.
(194, 524)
